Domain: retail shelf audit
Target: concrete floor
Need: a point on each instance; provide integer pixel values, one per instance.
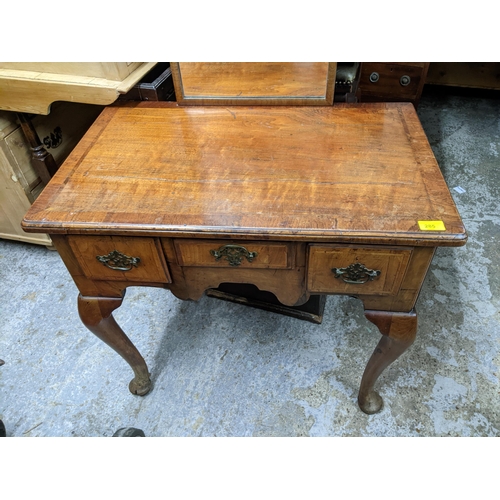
(220, 369)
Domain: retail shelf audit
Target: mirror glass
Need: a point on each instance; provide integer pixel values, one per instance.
(252, 82)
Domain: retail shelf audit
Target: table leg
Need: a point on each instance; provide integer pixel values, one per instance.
(398, 333)
(96, 315)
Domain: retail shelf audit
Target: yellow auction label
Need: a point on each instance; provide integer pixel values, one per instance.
(431, 225)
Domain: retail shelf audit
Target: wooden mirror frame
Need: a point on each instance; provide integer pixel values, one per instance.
(327, 100)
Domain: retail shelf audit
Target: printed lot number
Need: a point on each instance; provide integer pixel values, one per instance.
(431, 225)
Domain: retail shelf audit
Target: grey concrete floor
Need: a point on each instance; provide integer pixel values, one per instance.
(220, 369)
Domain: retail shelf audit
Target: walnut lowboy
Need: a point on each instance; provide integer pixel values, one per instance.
(297, 201)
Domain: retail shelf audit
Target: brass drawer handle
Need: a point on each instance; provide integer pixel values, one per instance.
(118, 261)
(357, 273)
(233, 254)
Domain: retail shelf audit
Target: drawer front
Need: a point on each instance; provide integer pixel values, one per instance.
(119, 258)
(249, 254)
(356, 270)
(389, 84)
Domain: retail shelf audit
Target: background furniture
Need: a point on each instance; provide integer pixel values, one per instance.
(391, 82)
(156, 85)
(346, 81)
(32, 87)
(283, 84)
(20, 182)
(33, 146)
(478, 75)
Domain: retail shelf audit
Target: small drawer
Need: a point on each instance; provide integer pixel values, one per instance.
(120, 258)
(391, 81)
(247, 254)
(356, 270)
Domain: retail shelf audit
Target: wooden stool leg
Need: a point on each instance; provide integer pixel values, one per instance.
(96, 315)
(398, 333)
(43, 162)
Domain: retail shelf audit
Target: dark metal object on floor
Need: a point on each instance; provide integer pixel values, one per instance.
(250, 295)
(3, 432)
(129, 432)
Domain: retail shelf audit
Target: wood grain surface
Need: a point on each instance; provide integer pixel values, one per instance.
(342, 173)
(268, 79)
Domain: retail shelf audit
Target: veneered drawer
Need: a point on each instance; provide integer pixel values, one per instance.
(120, 258)
(220, 253)
(356, 270)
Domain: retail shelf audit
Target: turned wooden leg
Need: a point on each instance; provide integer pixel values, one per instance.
(95, 313)
(43, 162)
(398, 333)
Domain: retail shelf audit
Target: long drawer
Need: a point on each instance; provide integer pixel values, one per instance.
(356, 270)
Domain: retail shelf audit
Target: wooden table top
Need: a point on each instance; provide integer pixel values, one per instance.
(362, 171)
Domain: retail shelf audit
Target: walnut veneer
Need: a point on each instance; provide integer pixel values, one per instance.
(293, 200)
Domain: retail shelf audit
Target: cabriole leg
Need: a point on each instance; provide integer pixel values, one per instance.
(96, 315)
(398, 333)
